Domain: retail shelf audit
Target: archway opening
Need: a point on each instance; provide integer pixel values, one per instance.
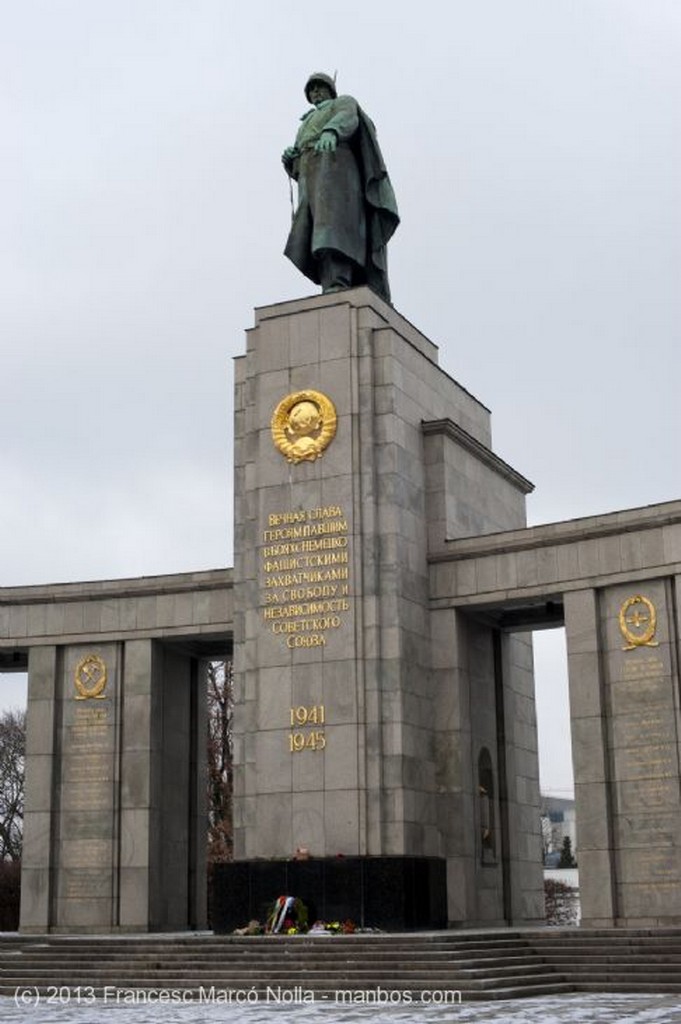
(556, 777)
(13, 690)
(553, 713)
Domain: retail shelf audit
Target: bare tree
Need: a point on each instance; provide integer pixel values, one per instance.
(546, 833)
(12, 754)
(220, 716)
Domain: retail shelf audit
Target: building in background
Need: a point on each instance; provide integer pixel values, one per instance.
(557, 822)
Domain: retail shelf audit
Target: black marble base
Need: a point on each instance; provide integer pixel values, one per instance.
(392, 893)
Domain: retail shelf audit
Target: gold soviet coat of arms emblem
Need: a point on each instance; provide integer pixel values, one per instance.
(303, 425)
(638, 622)
(90, 677)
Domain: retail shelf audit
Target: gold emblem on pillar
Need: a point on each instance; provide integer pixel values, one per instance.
(638, 622)
(303, 425)
(90, 677)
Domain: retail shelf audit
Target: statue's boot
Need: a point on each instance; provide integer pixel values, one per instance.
(335, 271)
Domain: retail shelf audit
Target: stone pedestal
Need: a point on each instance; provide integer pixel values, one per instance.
(367, 723)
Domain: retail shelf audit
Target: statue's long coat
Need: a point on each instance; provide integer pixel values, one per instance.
(345, 199)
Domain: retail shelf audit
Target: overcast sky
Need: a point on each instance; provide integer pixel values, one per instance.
(535, 152)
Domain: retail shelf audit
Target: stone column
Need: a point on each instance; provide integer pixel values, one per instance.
(86, 827)
(518, 749)
(138, 823)
(163, 790)
(589, 758)
(172, 853)
(454, 764)
(37, 858)
(640, 647)
(624, 698)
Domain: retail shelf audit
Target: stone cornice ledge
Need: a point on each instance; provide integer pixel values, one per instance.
(99, 590)
(570, 531)
(461, 437)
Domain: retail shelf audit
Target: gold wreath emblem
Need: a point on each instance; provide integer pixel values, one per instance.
(303, 425)
(638, 622)
(90, 677)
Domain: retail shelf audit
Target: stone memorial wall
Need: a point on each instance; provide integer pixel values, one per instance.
(384, 587)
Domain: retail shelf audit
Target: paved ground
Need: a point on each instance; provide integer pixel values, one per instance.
(577, 1009)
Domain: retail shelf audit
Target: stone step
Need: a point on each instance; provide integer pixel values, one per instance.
(301, 947)
(403, 940)
(395, 978)
(42, 968)
(329, 948)
(634, 943)
(554, 956)
(645, 975)
(557, 988)
(253, 946)
(332, 993)
(71, 973)
(387, 963)
(50, 970)
(316, 985)
(25, 965)
(199, 939)
(21, 962)
(627, 987)
(573, 942)
(618, 937)
(588, 950)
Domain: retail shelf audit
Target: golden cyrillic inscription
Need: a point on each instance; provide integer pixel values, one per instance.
(90, 677)
(303, 425)
(305, 574)
(638, 622)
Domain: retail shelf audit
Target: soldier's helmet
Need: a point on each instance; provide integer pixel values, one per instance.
(319, 76)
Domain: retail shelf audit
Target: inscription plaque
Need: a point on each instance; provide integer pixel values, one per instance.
(86, 847)
(305, 574)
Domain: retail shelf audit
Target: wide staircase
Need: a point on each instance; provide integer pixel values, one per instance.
(613, 960)
(478, 965)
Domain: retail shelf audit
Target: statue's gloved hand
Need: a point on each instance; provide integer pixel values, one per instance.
(288, 156)
(327, 142)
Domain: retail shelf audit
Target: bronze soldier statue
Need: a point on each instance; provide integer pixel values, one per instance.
(346, 205)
